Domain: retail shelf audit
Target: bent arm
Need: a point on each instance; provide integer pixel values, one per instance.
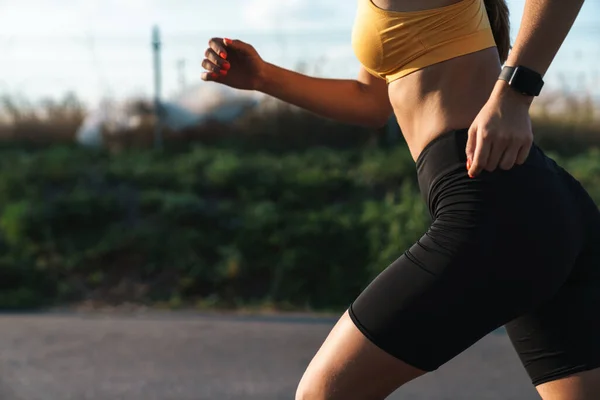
(544, 27)
(363, 101)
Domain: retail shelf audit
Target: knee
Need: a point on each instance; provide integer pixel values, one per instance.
(313, 388)
(306, 393)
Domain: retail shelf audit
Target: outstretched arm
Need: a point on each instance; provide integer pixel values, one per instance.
(363, 101)
(501, 135)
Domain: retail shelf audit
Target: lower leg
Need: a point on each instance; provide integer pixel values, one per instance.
(581, 386)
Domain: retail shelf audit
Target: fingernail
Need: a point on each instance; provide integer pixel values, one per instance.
(227, 41)
(223, 72)
(226, 66)
(223, 55)
(214, 75)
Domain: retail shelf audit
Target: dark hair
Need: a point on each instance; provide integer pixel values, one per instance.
(498, 14)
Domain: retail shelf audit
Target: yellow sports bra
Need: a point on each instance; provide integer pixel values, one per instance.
(392, 44)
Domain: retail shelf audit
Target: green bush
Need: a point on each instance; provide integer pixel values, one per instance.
(209, 225)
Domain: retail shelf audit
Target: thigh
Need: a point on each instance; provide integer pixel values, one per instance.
(561, 338)
(428, 306)
(441, 297)
(348, 365)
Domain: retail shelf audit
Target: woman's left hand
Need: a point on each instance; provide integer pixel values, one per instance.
(501, 135)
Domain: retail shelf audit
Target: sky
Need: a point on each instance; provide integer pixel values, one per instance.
(100, 49)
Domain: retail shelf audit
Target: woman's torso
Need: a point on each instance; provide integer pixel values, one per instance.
(443, 96)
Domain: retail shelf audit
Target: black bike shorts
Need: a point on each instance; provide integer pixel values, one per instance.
(519, 248)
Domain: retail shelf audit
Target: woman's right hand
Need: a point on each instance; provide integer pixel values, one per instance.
(233, 63)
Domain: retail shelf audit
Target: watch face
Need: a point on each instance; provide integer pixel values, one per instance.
(526, 81)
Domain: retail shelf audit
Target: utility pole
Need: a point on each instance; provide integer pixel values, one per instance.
(156, 46)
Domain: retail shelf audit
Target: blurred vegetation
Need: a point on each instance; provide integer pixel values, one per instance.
(47, 122)
(282, 208)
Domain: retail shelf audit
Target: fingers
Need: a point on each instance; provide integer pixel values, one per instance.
(215, 63)
(471, 142)
(517, 152)
(504, 152)
(218, 46)
(212, 67)
(497, 150)
(213, 71)
(523, 154)
(209, 76)
(217, 60)
(509, 158)
(481, 154)
(494, 150)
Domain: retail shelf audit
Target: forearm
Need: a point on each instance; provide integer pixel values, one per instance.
(544, 27)
(344, 100)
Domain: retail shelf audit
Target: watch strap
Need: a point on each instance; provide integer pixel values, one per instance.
(507, 73)
(522, 79)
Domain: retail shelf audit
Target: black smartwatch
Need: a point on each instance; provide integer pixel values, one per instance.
(523, 80)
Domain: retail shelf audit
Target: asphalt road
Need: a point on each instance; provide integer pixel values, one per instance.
(181, 356)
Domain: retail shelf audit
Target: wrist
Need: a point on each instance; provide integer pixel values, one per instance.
(264, 77)
(502, 90)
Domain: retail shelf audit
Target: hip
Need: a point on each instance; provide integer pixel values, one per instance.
(538, 190)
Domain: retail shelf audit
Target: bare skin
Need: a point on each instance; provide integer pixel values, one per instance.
(501, 134)
(349, 366)
(426, 103)
(443, 97)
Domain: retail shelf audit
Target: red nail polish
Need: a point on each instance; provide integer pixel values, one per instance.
(223, 55)
(226, 66)
(223, 72)
(214, 75)
(227, 41)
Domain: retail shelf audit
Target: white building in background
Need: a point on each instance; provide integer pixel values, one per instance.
(195, 106)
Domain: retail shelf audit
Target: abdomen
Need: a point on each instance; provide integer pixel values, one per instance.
(443, 96)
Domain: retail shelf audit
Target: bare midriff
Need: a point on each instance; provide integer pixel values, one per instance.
(443, 97)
